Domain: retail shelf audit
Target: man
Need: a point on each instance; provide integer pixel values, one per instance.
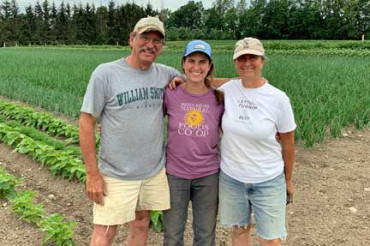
(127, 95)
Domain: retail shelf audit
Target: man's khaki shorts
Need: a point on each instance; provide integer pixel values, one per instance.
(125, 197)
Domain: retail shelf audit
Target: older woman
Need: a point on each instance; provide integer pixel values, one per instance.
(256, 170)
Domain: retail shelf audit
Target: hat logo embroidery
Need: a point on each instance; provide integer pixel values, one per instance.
(245, 44)
(199, 46)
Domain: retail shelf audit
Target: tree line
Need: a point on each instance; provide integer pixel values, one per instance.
(46, 23)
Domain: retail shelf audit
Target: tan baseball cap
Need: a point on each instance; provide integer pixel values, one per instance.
(149, 24)
(248, 46)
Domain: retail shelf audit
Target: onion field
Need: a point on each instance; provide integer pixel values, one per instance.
(328, 82)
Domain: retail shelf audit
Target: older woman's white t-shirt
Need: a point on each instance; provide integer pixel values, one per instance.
(252, 117)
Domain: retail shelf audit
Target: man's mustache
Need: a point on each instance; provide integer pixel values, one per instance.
(146, 49)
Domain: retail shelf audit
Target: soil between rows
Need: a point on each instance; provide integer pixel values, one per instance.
(331, 205)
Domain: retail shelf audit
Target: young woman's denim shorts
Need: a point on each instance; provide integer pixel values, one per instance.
(267, 200)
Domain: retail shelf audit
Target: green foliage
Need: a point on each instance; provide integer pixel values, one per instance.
(24, 206)
(324, 52)
(327, 83)
(190, 15)
(45, 138)
(266, 19)
(156, 220)
(58, 81)
(57, 230)
(59, 162)
(311, 72)
(328, 93)
(7, 184)
(44, 121)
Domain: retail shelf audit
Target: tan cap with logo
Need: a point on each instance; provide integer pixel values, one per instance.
(248, 46)
(149, 24)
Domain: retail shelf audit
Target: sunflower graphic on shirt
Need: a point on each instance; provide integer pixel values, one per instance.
(194, 118)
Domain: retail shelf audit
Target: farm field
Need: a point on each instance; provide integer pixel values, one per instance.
(328, 83)
(322, 83)
(331, 206)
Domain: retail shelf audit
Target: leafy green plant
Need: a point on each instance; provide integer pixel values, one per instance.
(156, 220)
(59, 162)
(54, 226)
(44, 121)
(7, 184)
(45, 138)
(57, 230)
(24, 206)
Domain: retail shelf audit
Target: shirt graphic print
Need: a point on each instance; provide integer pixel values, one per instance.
(192, 133)
(193, 123)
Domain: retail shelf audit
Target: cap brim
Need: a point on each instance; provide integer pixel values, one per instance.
(194, 51)
(247, 51)
(151, 28)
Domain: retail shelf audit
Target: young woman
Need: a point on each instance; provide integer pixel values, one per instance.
(194, 113)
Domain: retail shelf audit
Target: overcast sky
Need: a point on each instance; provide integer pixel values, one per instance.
(169, 4)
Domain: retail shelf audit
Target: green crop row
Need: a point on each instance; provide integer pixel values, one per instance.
(228, 45)
(54, 226)
(44, 121)
(323, 52)
(43, 137)
(316, 44)
(327, 93)
(59, 162)
(308, 52)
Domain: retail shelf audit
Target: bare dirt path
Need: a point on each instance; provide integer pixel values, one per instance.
(331, 205)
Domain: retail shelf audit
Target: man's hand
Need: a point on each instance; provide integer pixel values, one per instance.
(175, 82)
(95, 188)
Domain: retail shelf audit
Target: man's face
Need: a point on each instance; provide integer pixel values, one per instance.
(146, 46)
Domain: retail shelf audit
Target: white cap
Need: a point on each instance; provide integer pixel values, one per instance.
(248, 46)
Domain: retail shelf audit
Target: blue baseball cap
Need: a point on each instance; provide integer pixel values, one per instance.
(198, 46)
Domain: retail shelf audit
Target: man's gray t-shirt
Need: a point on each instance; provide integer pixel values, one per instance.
(129, 103)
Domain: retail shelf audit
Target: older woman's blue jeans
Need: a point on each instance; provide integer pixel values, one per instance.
(203, 194)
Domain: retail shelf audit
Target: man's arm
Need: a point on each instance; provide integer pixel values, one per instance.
(95, 186)
(288, 152)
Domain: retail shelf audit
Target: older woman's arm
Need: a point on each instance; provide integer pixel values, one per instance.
(287, 144)
(217, 82)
